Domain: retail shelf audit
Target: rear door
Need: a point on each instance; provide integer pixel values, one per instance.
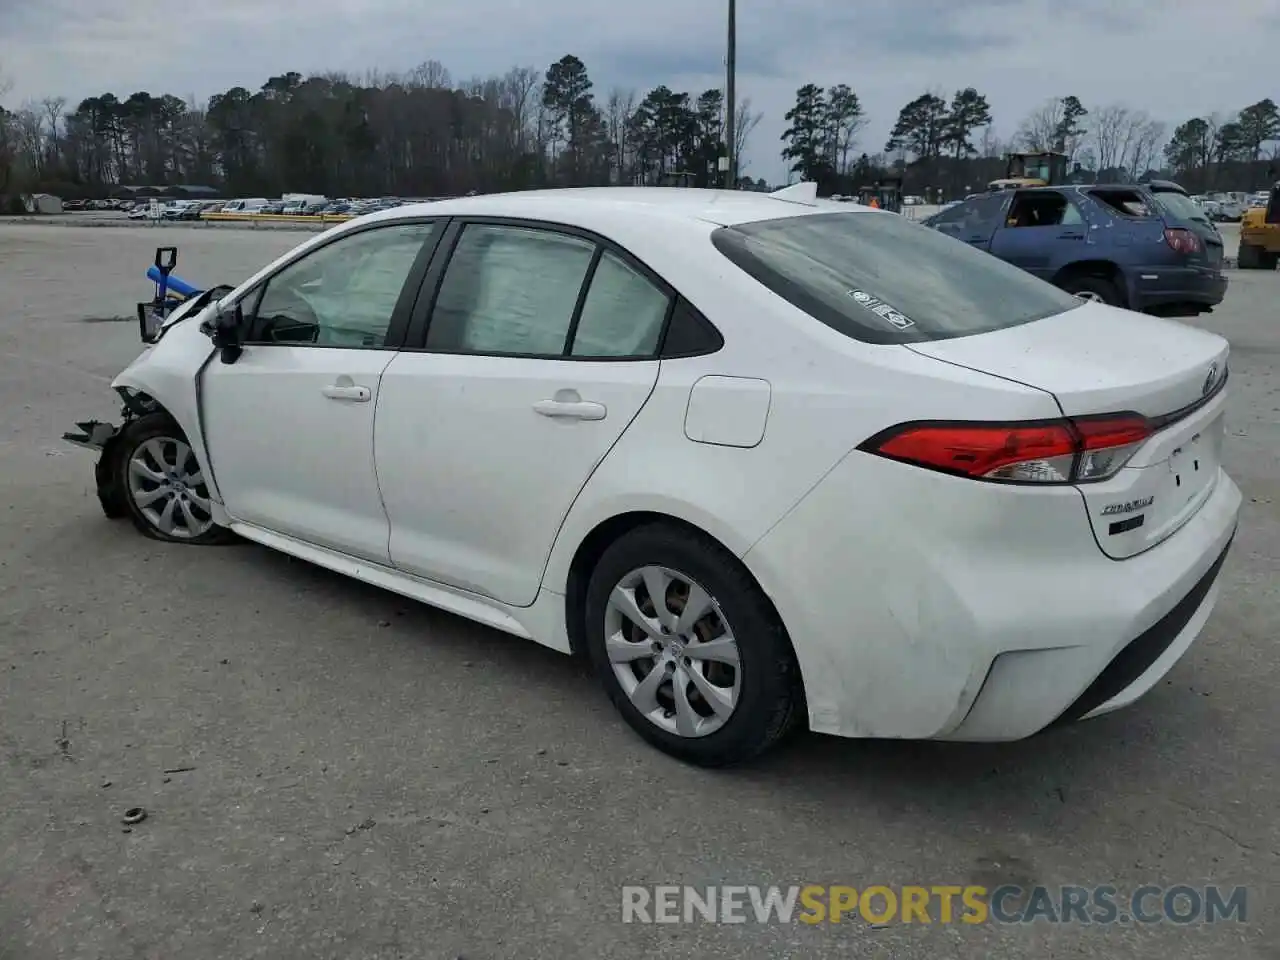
(540, 348)
(1042, 230)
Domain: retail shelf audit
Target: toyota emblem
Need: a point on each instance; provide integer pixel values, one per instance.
(1211, 379)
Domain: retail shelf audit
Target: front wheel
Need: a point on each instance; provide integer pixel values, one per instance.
(688, 647)
(1249, 257)
(153, 473)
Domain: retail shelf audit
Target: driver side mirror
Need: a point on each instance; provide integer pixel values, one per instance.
(227, 329)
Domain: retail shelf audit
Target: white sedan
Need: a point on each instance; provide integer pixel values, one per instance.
(766, 459)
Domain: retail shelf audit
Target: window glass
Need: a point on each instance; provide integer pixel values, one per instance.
(881, 278)
(509, 290)
(344, 293)
(622, 315)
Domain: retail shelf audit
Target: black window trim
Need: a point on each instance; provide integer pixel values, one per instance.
(398, 328)
(429, 291)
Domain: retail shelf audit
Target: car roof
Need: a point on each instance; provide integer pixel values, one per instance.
(597, 208)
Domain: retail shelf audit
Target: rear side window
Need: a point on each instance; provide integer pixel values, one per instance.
(880, 278)
(1178, 205)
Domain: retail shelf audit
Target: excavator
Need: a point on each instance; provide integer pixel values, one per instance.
(1042, 169)
(1260, 235)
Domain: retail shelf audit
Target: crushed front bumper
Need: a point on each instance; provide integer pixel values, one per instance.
(93, 435)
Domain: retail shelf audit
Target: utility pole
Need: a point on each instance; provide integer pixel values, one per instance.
(730, 134)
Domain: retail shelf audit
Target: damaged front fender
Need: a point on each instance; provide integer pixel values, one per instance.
(164, 378)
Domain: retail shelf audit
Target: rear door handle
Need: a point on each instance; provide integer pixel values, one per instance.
(347, 391)
(570, 409)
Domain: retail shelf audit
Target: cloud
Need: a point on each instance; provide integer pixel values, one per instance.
(1182, 61)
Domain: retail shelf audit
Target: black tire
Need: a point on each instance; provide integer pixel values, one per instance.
(110, 495)
(1249, 257)
(1270, 261)
(770, 694)
(1100, 287)
(115, 492)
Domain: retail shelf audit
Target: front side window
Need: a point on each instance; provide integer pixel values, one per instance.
(509, 290)
(342, 294)
(880, 278)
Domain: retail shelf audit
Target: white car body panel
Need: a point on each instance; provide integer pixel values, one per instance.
(907, 593)
(290, 458)
(475, 481)
(168, 372)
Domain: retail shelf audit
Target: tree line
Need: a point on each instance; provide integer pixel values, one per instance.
(413, 134)
(420, 133)
(951, 145)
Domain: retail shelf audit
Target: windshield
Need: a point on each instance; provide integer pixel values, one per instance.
(881, 278)
(1179, 205)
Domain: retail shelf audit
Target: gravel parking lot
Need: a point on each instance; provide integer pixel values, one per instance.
(332, 771)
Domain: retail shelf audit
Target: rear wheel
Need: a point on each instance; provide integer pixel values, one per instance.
(155, 476)
(688, 647)
(1093, 288)
(1270, 261)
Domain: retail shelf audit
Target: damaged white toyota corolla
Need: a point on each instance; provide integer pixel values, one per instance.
(764, 458)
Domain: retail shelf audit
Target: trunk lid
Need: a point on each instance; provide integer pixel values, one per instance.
(1097, 359)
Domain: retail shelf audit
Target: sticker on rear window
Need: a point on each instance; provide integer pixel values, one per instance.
(881, 309)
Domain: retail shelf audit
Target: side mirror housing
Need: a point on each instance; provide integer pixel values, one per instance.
(227, 327)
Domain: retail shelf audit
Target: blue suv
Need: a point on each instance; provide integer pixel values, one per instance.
(1147, 247)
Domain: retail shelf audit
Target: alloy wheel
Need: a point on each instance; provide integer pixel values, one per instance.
(168, 488)
(672, 651)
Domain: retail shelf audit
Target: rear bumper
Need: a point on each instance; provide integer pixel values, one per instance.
(1170, 286)
(953, 610)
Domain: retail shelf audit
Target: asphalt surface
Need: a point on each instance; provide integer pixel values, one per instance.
(367, 778)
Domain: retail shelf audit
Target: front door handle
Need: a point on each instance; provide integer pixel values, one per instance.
(1071, 235)
(570, 409)
(347, 391)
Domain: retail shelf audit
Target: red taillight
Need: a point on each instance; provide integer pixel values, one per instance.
(1051, 451)
(1182, 240)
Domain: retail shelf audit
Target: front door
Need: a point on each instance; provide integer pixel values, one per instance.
(289, 424)
(540, 351)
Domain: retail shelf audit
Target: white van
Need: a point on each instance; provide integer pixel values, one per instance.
(245, 206)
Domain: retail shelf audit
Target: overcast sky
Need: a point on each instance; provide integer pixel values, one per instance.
(1174, 58)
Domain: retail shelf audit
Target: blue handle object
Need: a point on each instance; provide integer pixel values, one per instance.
(176, 285)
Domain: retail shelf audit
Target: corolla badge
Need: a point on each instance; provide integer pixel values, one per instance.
(1210, 380)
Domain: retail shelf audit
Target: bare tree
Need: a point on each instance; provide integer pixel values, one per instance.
(430, 75)
(1148, 137)
(1111, 135)
(28, 130)
(990, 146)
(619, 109)
(519, 86)
(1039, 128)
(53, 108)
(746, 121)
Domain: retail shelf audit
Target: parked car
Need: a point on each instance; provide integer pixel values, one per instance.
(1148, 248)
(761, 457)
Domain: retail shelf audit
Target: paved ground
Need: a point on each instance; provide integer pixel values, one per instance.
(372, 779)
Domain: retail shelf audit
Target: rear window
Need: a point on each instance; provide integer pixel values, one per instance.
(880, 278)
(1178, 205)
